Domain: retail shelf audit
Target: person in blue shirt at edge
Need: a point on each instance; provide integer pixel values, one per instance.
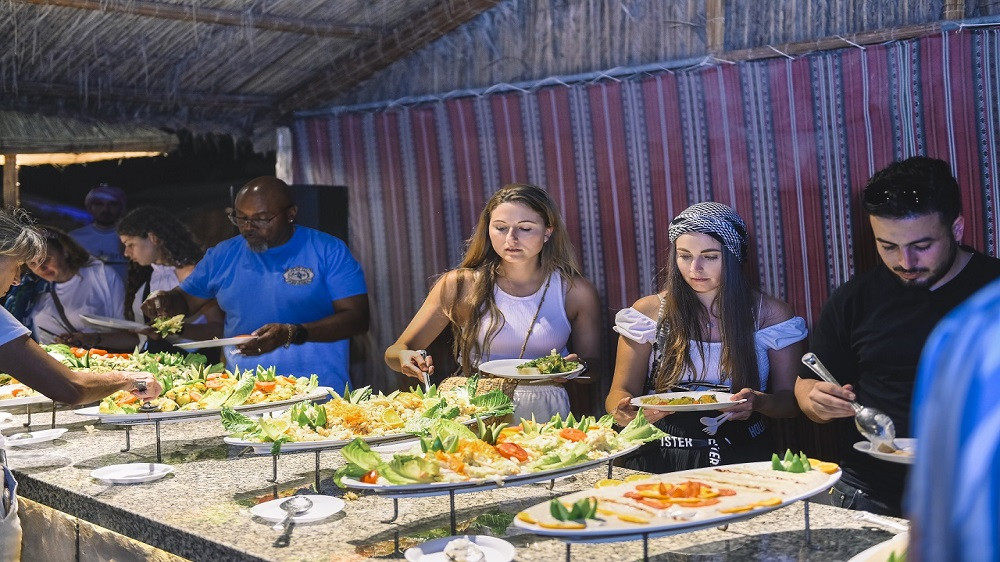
(106, 204)
(298, 291)
(953, 496)
(873, 328)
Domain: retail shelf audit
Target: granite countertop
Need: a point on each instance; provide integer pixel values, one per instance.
(202, 510)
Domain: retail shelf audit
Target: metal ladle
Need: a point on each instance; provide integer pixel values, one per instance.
(871, 422)
(293, 506)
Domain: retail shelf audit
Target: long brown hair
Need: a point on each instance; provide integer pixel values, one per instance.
(684, 319)
(483, 265)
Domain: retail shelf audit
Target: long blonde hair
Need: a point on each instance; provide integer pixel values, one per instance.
(485, 266)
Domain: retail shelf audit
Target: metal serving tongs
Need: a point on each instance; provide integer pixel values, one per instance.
(427, 376)
(872, 423)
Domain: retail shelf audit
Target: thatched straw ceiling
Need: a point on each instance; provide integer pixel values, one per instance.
(29, 133)
(206, 65)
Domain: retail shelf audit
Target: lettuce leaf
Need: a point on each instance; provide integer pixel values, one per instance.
(639, 429)
(358, 452)
(237, 423)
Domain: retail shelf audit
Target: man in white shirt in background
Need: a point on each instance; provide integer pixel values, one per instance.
(107, 205)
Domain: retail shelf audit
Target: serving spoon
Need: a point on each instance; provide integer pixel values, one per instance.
(871, 422)
(295, 505)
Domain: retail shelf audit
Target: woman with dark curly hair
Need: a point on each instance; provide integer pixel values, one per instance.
(162, 253)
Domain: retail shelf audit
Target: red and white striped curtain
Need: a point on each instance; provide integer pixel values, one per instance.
(788, 143)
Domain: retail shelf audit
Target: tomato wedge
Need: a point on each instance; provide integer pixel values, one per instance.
(572, 434)
(265, 386)
(214, 384)
(512, 451)
(370, 477)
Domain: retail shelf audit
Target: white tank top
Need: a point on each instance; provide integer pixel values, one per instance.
(552, 328)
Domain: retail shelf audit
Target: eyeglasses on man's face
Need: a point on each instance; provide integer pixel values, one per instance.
(257, 222)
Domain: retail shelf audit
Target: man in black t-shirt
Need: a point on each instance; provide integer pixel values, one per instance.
(873, 328)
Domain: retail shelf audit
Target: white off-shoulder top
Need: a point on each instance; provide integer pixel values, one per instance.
(638, 327)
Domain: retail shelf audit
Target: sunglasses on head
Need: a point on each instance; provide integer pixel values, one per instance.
(891, 195)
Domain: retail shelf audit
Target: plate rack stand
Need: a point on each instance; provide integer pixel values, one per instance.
(27, 411)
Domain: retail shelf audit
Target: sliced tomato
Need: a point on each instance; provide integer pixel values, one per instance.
(214, 384)
(512, 451)
(572, 434)
(265, 386)
(370, 477)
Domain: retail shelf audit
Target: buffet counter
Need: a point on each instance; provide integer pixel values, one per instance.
(202, 510)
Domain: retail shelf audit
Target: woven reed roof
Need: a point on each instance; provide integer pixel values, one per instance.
(206, 65)
(29, 133)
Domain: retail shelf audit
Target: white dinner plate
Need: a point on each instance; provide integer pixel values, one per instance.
(203, 344)
(30, 438)
(507, 368)
(132, 473)
(496, 550)
(111, 322)
(884, 549)
(724, 402)
(756, 485)
(907, 450)
(34, 398)
(181, 415)
(322, 507)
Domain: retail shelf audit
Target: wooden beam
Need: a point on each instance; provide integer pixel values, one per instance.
(954, 9)
(715, 26)
(194, 14)
(835, 42)
(138, 95)
(356, 66)
(11, 195)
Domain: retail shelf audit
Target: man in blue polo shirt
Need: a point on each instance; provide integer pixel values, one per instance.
(297, 290)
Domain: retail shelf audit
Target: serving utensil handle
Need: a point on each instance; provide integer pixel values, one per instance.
(815, 365)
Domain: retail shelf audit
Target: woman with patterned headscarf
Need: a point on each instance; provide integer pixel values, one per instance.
(707, 329)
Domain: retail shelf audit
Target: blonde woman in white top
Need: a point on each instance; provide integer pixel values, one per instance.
(708, 329)
(521, 292)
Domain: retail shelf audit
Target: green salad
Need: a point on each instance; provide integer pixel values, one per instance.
(550, 364)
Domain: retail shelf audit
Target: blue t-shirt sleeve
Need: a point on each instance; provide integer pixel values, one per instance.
(343, 275)
(199, 283)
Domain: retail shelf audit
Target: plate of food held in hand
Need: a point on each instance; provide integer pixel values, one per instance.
(551, 366)
(693, 401)
(905, 451)
(235, 340)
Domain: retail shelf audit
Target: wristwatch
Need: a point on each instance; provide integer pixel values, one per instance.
(299, 334)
